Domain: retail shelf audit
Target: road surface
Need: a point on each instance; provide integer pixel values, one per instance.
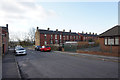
(38, 64)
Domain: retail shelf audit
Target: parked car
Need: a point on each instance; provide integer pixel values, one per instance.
(20, 51)
(37, 48)
(45, 48)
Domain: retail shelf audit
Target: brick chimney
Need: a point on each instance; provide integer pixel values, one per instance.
(7, 25)
(37, 28)
(63, 30)
(56, 29)
(48, 29)
(82, 32)
(89, 32)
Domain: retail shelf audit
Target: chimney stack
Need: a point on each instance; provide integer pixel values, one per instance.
(56, 29)
(70, 30)
(7, 25)
(48, 29)
(37, 28)
(93, 33)
(82, 32)
(89, 32)
(63, 30)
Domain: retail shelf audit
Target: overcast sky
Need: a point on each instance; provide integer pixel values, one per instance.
(94, 16)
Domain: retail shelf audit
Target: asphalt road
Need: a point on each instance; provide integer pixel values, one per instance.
(38, 64)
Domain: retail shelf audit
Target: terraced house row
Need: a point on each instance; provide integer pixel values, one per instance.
(44, 37)
(4, 38)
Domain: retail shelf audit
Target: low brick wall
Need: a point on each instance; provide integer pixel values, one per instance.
(99, 53)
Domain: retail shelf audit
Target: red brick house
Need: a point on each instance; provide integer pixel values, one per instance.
(4, 38)
(44, 37)
(110, 40)
(87, 37)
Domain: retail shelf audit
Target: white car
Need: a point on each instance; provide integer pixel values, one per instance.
(20, 51)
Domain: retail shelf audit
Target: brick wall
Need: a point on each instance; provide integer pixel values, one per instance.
(113, 49)
(40, 38)
(5, 40)
(37, 38)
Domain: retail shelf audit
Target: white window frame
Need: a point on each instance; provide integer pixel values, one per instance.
(74, 37)
(56, 41)
(45, 35)
(105, 41)
(117, 41)
(51, 36)
(60, 36)
(45, 42)
(51, 42)
(56, 36)
(67, 37)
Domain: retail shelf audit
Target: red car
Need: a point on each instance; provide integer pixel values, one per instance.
(45, 48)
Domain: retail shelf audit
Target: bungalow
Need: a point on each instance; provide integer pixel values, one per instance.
(110, 40)
(4, 38)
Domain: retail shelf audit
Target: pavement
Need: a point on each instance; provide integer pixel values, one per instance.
(9, 66)
(0, 67)
(104, 58)
(53, 64)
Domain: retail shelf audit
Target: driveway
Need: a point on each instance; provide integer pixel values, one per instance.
(38, 64)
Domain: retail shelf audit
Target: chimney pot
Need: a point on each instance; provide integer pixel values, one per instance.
(48, 29)
(89, 32)
(56, 29)
(82, 32)
(37, 28)
(7, 25)
(63, 30)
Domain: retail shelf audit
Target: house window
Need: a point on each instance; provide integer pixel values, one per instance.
(116, 40)
(74, 37)
(51, 36)
(56, 41)
(45, 36)
(51, 42)
(45, 42)
(111, 41)
(60, 36)
(64, 38)
(79, 37)
(105, 41)
(56, 36)
(67, 37)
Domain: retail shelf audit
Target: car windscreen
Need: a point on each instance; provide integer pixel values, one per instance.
(20, 49)
(39, 46)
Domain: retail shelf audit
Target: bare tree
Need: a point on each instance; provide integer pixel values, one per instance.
(31, 34)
